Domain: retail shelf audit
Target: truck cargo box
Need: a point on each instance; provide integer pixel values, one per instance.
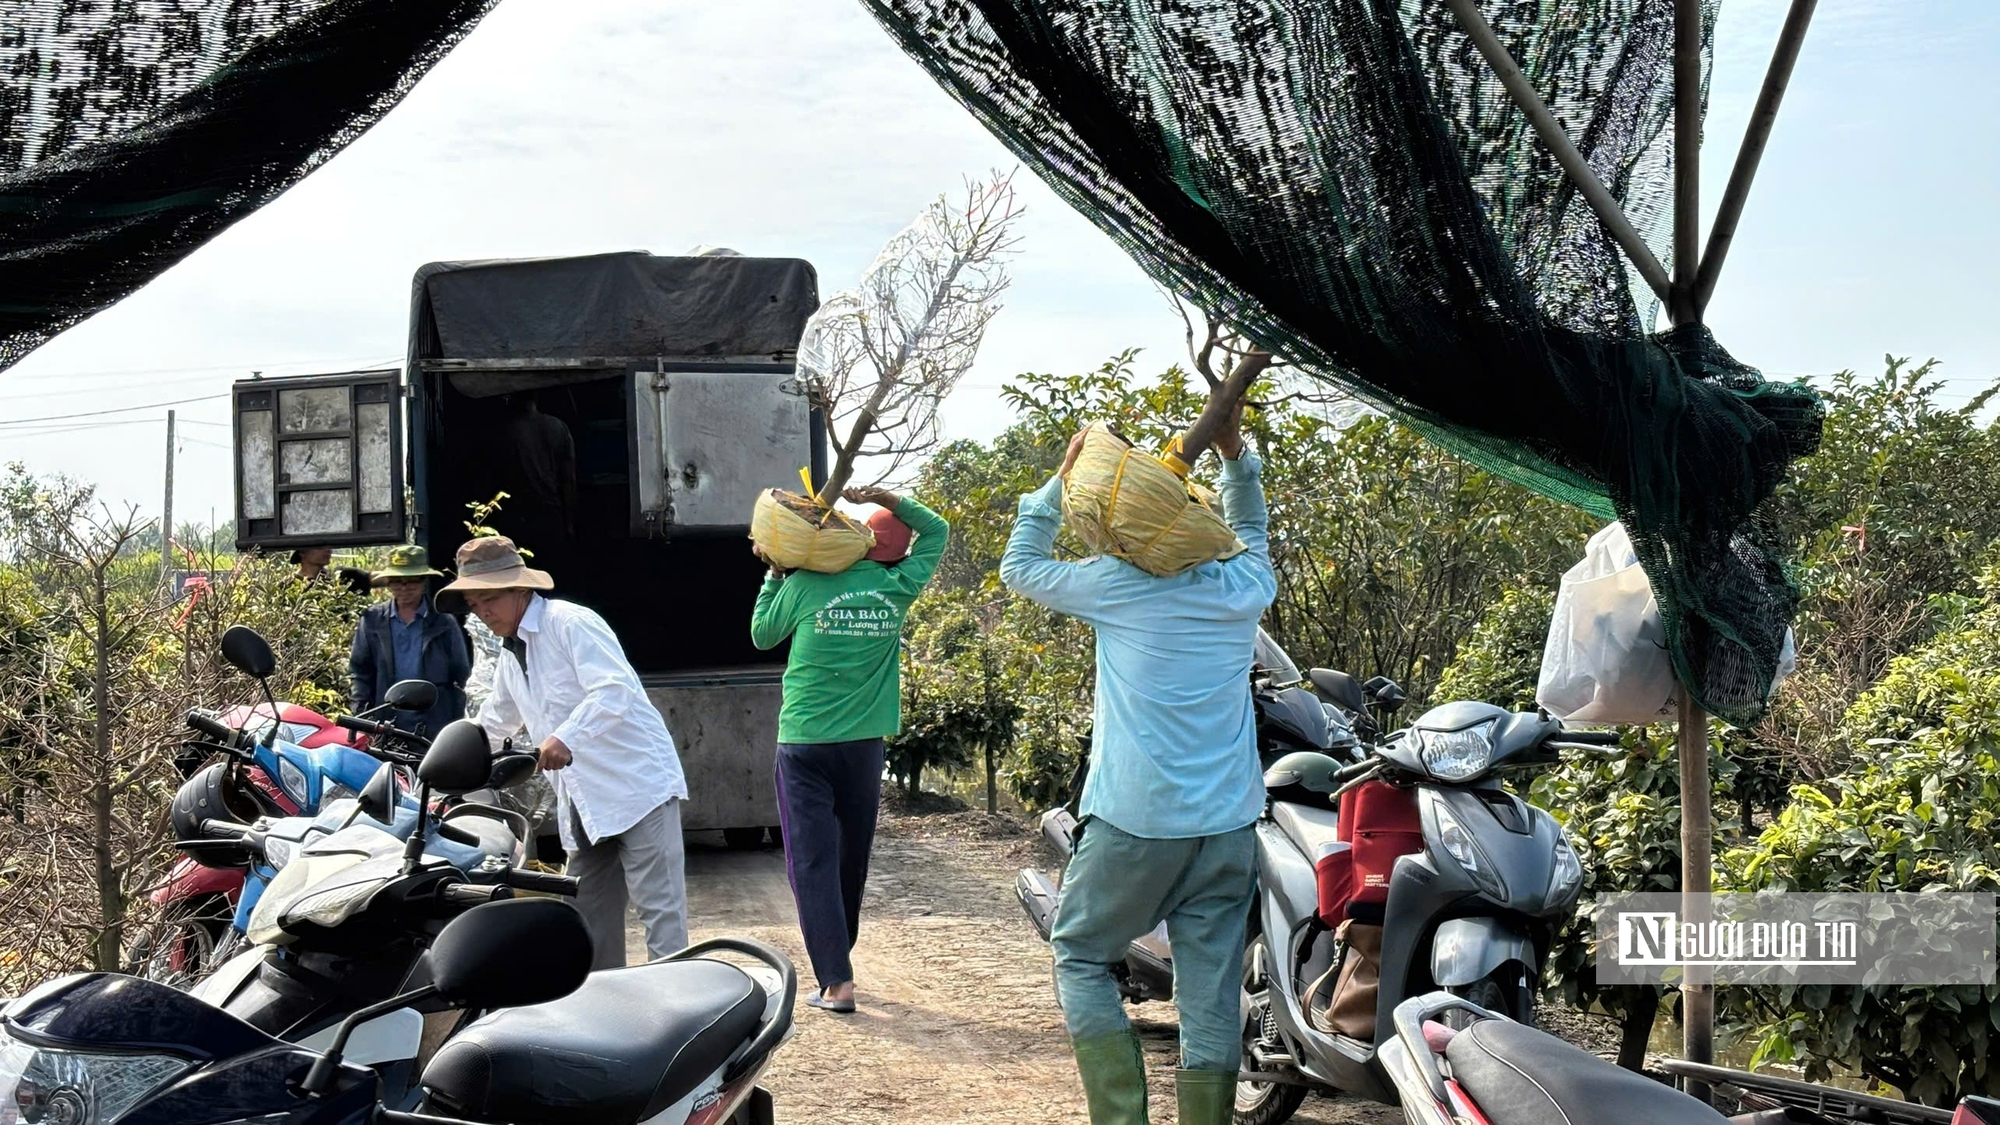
(675, 379)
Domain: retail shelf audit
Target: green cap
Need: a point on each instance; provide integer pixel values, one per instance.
(407, 561)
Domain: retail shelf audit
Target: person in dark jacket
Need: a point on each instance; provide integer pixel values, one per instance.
(406, 638)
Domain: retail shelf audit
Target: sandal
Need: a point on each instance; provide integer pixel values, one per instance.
(838, 1007)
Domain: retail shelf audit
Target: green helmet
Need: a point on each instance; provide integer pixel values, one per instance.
(1308, 769)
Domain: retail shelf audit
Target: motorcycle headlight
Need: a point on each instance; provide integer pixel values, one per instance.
(1459, 845)
(293, 781)
(42, 1086)
(331, 907)
(278, 852)
(1457, 755)
(1568, 877)
(289, 889)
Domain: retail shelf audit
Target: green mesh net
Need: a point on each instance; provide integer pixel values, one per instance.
(1349, 182)
(133, 131)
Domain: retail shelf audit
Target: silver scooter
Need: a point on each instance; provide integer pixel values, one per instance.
(1473, 911)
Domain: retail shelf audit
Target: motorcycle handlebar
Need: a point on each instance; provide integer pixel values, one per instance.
(466, 894)
(360, 726)
(224, 830)
(1345, 774)
(522, 880)
(213, 728)
(1589, 737)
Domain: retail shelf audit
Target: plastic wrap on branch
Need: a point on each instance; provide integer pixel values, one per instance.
(883, 355)
(1348, 184)
(132, 131)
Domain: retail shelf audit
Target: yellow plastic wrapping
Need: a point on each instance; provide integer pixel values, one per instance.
(1131, 505)
(795, 542)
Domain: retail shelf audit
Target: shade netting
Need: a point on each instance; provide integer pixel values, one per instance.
(1348, 182)
(133, 131)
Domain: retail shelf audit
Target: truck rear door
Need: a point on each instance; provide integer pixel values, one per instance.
(707, 439)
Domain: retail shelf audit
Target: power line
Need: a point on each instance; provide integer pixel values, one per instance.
(151, 384)
(47, 429)
(250, 366)
(50, 431)
(112, 410)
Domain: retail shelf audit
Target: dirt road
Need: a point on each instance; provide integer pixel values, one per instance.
(957, 1019)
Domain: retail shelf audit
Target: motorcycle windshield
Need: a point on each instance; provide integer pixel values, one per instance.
(1269, 657)
(330, 878)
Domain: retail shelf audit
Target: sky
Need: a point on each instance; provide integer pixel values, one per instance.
(797, 128)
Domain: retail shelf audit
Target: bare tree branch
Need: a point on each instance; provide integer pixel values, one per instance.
(882, 357)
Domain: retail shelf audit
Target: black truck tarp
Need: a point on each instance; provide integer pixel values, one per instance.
(571, 330)
(623, 305)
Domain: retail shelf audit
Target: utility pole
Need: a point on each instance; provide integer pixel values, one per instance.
(167, 508)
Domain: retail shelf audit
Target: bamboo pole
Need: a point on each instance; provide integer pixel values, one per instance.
(1697, 845)
(1529, 100)
(1697, 821)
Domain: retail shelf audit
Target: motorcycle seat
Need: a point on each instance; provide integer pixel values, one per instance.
(1520, 1076)
(1315, 831)
(625, 1046)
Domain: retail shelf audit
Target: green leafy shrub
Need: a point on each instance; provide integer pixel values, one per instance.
(1501, 660)
(960, 706)
(1918, 814)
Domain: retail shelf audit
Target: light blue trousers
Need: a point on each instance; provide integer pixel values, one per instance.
(1117, 888)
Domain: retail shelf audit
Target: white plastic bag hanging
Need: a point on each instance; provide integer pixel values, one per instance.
(1606, 659)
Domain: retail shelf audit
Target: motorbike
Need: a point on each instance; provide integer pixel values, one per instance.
(1289, 718)
(1421, 844)
(1453, 1061)
(360, 892)
(680, 1041)
(284, 768)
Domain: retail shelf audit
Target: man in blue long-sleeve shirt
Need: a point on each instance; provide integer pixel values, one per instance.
(1173, 791)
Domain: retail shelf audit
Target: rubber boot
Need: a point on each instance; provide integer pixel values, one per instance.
(1114, 1077)
(1207, 1097)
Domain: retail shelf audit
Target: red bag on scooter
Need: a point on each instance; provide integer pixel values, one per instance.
(1380, 824)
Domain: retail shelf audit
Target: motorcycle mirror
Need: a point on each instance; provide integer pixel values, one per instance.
(411, 695)
(1386, 693)
(378, 797)
(1337, 687)
(509, 769)
(460, 759)
(247, 652)
(476, 960)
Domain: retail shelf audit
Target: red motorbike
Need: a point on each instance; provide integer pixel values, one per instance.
(195, 902)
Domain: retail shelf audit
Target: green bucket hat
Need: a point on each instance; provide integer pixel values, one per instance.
(407, 561)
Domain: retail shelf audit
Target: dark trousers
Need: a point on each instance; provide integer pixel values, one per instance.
(828, 793)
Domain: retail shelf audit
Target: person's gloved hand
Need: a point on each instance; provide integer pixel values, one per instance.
(776, 570)
(1229, 439)
(880, 497)
(1075, 451)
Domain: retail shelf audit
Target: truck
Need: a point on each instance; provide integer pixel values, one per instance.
(676, 380)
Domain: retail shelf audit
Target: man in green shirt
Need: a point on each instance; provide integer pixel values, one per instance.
(843, 696)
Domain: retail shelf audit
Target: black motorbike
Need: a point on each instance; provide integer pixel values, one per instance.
(677, 1042)
(368, 936)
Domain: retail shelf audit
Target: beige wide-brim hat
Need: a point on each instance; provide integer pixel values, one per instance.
(492, 562)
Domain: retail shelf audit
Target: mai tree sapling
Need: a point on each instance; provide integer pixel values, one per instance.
(881, 357)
